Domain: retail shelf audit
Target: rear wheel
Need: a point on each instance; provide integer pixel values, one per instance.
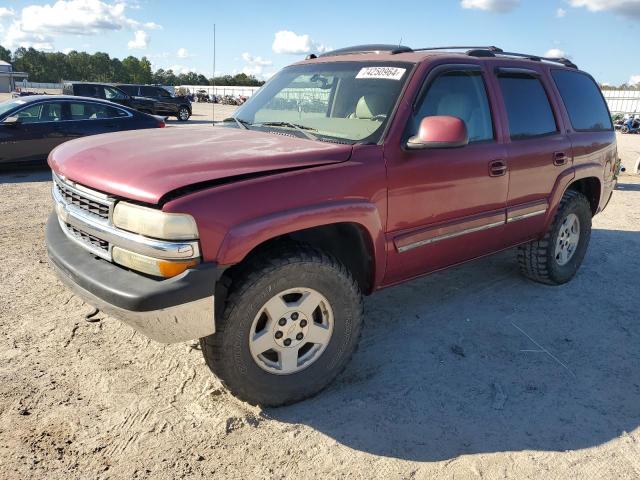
(555, 258)
(183, 114)
(290, 325)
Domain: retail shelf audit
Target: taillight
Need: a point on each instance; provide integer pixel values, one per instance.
(161, 124)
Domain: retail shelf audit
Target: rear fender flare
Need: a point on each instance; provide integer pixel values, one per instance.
(565, 179)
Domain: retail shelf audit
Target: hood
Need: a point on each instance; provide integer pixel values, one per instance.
(145, 165)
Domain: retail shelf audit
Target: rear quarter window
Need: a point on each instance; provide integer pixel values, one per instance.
(582, 98)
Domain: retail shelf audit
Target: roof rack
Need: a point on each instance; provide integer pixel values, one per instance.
(473, 51)
(370, 48)
(491, 49)
(537, 58)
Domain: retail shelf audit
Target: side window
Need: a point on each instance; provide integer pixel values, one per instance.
(528, 108)
(459, 94)
(129, 89)
(41, 112)
(583, 101)
(111, 93)
(161, 92)
(83, 90)
(148, 92)
(94, 111)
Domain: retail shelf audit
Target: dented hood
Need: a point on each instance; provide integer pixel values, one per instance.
(145, 165)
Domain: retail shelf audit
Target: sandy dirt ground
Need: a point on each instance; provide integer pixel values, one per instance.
(470, 373)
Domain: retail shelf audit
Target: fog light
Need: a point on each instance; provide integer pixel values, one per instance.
(149, 265)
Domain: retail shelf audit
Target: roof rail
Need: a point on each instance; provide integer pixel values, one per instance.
(370, 48)
(492, 49)
(479, 52)
(473, 51)
(537, 58)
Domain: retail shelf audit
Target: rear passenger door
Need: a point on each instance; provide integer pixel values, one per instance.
(538, 149)
(89, 118)
(164, 103)
(446, 205)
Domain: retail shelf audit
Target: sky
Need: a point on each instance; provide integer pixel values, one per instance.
(260, 37)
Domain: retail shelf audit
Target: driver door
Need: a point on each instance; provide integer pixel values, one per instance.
(447, 205)
(38, 131)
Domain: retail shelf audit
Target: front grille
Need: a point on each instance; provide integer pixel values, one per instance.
(88, 239)
(74, 197)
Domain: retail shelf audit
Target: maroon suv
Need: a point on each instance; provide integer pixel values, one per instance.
(346, 173)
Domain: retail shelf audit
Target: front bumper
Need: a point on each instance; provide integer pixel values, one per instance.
(168, 311)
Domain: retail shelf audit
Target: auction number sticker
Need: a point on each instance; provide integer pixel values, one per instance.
(389, 73)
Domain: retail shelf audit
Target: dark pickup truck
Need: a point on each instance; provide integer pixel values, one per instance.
(349, 172)
(165, 103)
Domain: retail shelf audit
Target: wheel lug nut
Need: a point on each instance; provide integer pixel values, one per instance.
(282, 322)
(294, 316)
(278, 334)
(287, 342)
(299, 336)
(303, 323)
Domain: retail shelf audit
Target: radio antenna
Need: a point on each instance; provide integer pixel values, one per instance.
(213, 81)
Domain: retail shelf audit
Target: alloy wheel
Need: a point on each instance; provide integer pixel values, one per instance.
(291, 331)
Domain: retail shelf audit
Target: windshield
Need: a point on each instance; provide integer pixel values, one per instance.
(10, 105)
(342, 101)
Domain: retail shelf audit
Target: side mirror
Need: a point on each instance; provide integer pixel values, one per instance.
(439, 132)
(11, 121)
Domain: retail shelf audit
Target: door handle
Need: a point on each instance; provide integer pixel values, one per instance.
(497, 168)
(560, 158)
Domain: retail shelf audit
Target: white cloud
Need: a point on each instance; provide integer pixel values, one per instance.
(556, 53)
(6, 12)
(247, 57)
(183, 53)
(41, 24)
(289, 42)
(561, 13)
(500, 6)
(178, 69)
(255, 66)
(634, 80)
(630, 8)
(140, 40)
(67, 51)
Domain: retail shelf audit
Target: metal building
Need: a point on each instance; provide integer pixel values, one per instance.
(9, 78)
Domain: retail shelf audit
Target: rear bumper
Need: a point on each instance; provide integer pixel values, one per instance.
(168, 311)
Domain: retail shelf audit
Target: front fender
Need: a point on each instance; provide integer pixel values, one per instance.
(243, 238)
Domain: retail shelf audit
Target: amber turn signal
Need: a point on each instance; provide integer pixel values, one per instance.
(151, 266)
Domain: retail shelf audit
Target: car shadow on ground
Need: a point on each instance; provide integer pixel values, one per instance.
(629, 187)
(25, 175)
(479, 360)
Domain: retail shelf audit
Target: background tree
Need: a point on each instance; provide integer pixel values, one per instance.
(54, 67)
(5, 54)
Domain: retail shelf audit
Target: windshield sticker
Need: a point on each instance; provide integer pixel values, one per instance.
(389, 73)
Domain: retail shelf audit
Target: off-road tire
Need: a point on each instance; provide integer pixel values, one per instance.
(227, 352)
(537, 259)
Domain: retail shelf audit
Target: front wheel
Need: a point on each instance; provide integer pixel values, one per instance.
(290, 325)
(183, 114)
(555, 258)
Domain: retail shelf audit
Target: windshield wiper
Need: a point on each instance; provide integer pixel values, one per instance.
(298, 127)
(241, 123)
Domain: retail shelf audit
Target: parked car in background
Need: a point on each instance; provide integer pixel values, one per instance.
(30, 127)
(261, 237)
(104, 91)
(165, 103)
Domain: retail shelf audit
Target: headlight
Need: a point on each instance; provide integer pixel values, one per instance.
(154, 223)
